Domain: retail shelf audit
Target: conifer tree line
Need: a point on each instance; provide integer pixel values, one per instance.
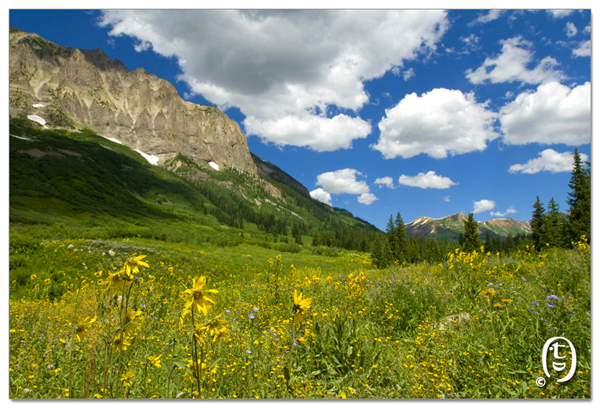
(397, 247)
(552, 228)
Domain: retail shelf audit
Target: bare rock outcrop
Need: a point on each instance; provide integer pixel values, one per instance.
(65, 85)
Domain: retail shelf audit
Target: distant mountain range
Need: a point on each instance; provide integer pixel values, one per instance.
(450, 227)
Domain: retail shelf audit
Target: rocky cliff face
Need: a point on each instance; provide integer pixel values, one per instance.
(66, 86)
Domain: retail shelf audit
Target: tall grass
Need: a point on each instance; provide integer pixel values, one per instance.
(470, 327)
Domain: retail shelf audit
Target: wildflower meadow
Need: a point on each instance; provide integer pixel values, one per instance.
(138, 320)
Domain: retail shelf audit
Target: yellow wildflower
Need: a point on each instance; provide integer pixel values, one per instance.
(300, 306)
(83, 324)
(120, 345)
(200, 297)
(155, 361)
(131, 265)
(128, 379)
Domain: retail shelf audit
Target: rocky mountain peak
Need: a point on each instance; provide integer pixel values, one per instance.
(69, 87)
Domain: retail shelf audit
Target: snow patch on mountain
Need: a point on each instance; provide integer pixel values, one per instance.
(152, 159)
(37, 119)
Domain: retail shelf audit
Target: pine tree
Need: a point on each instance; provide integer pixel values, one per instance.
(381, 255)
(400, 238)
(488, 242)
(392, 240)
(554, 226)
(316, 240)
(472, 240)
(580, 200)
(538, 224)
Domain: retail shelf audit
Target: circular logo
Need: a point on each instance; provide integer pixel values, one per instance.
(540, 382)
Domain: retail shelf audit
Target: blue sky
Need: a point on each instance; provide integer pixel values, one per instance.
(424, 112)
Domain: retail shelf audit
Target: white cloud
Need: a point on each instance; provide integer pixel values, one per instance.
(549, 160)
(510, 210)
(447, 199)
(584, 49)
(307, 130)
(437, 123)
(470, 43)
(512, 65)
(486, 18)
(367, 198)
(342, 182)
(482, 206)
(427, 180)
(408, 74)
(552, 114)
(385, 181)
(559, 13)
(570, 29)
(285, 69)
(321, 195)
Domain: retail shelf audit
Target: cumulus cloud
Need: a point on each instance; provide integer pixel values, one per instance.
(367, 198)
(427, 180)
(570, 29)
(510, 210)
(321, 195)
(584, 49)
(512, 65)
(482, 206)
(286, 69)
(549, 160)
(554, 113)
(307, 130)
(385, 181)
(559, 13)
(342, 182)
(486, 18)
(447, 199)
(437, 123)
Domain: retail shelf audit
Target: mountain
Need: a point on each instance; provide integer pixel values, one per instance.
(97, 150)
(451, 226)
(69, 87)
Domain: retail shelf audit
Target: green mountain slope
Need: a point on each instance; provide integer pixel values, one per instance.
(91, 185)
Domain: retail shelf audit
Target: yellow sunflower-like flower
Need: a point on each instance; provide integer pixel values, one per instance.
(220, 334)
(131, 320)
(120, 343)
(131, 265)
(116, 280)
(199, 296)
(215, 324)
(200, 332)
(300, 306)
(83, 324)
(155, 361)
(128, 379)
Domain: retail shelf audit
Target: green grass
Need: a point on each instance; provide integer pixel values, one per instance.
(420, 331)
